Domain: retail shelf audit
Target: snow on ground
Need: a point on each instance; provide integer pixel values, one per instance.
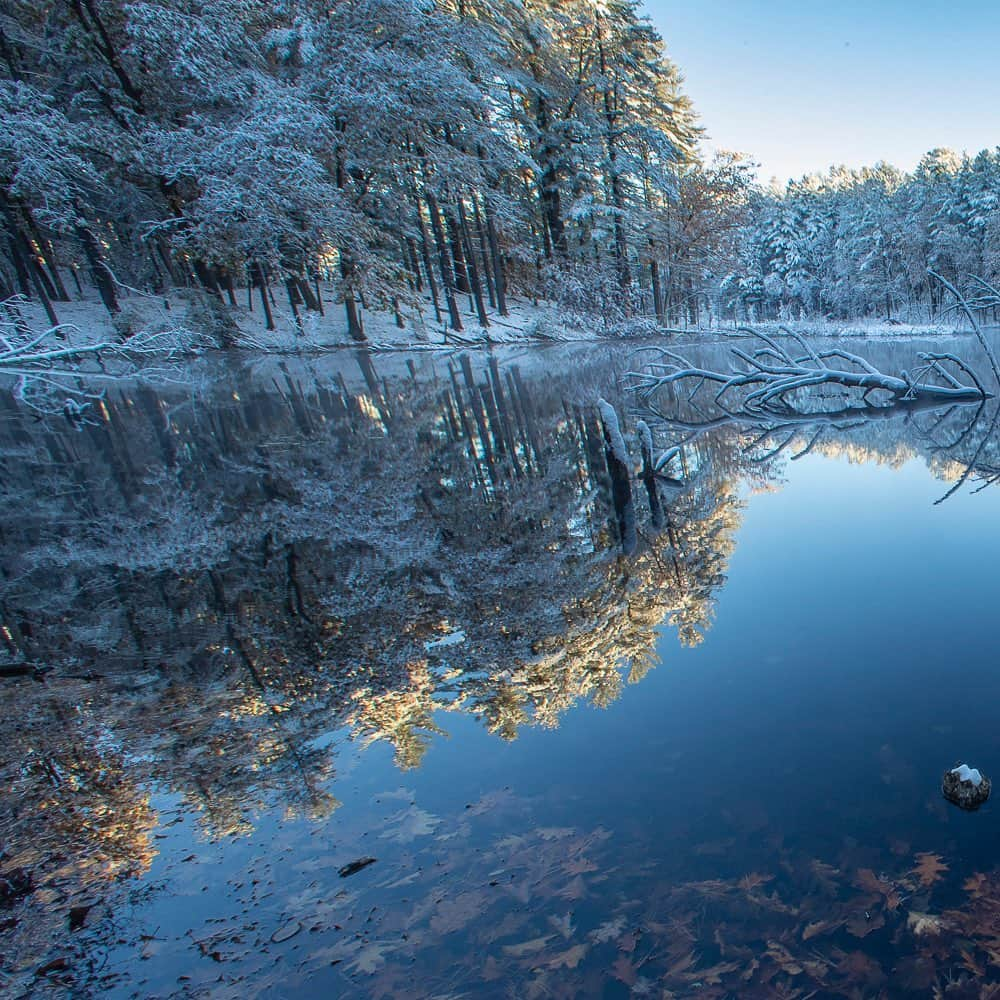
(858, 328)
(182, 309)
(528, 322)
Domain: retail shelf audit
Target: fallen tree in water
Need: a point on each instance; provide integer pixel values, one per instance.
(62, 369)
(765, 381)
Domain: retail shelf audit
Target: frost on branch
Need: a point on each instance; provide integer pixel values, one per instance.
(767, 381)
(57, 370)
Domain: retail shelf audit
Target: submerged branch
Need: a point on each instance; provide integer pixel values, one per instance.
(772, 375)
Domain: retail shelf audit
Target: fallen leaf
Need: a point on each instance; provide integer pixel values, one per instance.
(289, 930)
(624, 970)
(555, 832)
(531, 947)
(569, 959)
(579, 866)
(825, 876)
(820, 927)
(713, 976)
(491, 970)
(371, 958)
(628, 942)
(929, 868)
(975, 885)
(971, 964)
(867, 880)
(574, 889)
(453, 914)
(783, 957)
(682, 964)
(754, 879)
(564, 925)
(610, 930)
(864, 922)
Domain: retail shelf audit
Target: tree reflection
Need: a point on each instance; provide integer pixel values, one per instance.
(213, 589)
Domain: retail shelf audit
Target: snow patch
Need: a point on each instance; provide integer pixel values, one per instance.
(452, 639)
(610, 420)
(646, 437)
(966, 773)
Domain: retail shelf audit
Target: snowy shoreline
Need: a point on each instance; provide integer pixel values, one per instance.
(527, 323)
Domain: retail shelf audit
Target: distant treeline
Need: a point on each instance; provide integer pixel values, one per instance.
(855, 243)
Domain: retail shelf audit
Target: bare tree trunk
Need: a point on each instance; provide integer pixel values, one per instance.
(319, 294)
(499, 278)
(293, 300)
(226, 281)
(52, 265)
(484, 253)
(414, 260)
(103, 278)
(457, 252)
(621, 486)
(258, 278)
(20, 266)
(658, 304)
(447, 276)
(425, 250)
(355, 325)
(473, 270)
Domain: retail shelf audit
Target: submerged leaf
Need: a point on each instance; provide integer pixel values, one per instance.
(624, 970)
(929, 868)
(754, 879)
(569, 959)
(610, 930)
(531, 947)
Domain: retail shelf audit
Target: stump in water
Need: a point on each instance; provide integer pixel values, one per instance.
(649, 475)
(621, 488)
(965, 786)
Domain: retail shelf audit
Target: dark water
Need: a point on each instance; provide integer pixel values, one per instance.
(305, 615)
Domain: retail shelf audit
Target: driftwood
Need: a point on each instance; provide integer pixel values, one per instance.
(765, 381)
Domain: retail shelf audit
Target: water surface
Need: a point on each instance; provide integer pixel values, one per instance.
(304, 615)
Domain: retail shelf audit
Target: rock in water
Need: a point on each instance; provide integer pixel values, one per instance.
(965, 786)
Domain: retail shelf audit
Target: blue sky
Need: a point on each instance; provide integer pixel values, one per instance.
(804, 85)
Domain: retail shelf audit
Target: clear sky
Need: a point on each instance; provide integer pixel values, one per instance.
(803, 85)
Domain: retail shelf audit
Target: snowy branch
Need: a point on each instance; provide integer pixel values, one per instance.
(57, 369)
(766, 380)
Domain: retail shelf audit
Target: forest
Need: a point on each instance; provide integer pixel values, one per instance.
(418, 156)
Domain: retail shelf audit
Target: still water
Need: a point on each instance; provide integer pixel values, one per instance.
(332, 679)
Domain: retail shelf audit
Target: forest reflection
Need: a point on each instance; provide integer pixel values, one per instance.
(197, 593)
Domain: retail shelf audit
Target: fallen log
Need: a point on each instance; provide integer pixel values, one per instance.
(765, 381)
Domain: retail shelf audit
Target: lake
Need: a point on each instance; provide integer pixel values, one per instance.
(331, 677)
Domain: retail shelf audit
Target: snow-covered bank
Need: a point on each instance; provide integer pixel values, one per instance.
(417, 329)
(831, 328)
(528, 321)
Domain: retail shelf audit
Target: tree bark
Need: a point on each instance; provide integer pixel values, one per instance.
(425, 250)
(499, 277)
(355, 324)
(484, 253)
(457, 252)
(447, 276)
(473, 270)
(258, 278)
